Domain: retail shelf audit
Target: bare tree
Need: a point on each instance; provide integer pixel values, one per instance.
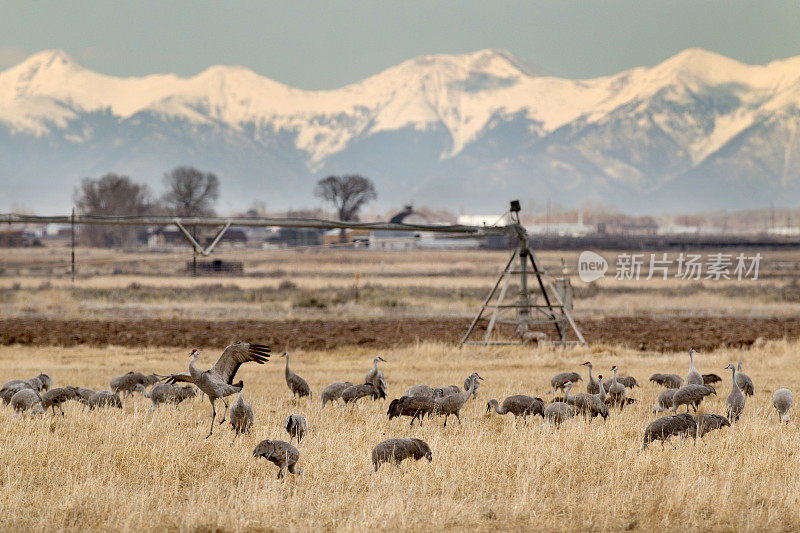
(113, 195)
(348, 194)
(190, 192)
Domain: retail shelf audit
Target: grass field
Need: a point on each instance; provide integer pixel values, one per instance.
(130, 470)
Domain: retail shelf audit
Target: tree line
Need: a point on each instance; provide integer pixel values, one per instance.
(189, 192)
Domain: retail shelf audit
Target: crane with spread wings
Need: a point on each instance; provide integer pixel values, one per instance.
(217, 382)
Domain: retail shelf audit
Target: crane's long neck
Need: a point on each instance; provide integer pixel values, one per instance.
(739, 367)
(590, 372)
(614, 377)
(691, 362)
(375, 366)
(602, 392)
(471, 388)
(192, 370)
(288, 372)
(566, 391)
(733, 378)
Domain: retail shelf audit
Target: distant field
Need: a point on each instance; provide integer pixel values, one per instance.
(133, 471)
(331, 284)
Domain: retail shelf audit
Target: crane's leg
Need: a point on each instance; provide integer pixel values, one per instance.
(213, 415)
(226, 411)
(280, 471)
(445, 420)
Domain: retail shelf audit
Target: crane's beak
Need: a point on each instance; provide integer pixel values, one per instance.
(381, 358)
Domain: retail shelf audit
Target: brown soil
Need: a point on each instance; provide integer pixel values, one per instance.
(659, 334)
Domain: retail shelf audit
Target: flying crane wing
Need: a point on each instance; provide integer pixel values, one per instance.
(180, 376)
(237, 354)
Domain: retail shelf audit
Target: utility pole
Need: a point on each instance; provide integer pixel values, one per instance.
(73, 244)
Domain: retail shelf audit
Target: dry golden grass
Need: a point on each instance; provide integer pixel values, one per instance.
(130, 470)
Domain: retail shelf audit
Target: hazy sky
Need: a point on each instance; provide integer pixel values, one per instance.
(329, 44)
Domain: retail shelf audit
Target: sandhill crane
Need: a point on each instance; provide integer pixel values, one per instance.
(24, 399)
(559, 381)
(242, 416)
(451, 405)
(628, 382)
(296, 384)
(56, 397)
(735, 401)
(744, 381)
(13, 382)
(691, 395)
(588, 405)
(217, 382)
(46, 380)
(420, 391)
(158, 394)
(664, 400)
(694, 377)
(616, 391)
(356, 392)
(518, 405)
(279, 453)
(183, 392)
(396, 450)
(104, 398)
(10, 389)
(558, 412)
(476, 377)
(670, 381)
(414, 406)
(782, 400)
(682, 424)
(333, 392)
(36, 384)
(592, 385)
(375, 376)
(601, 389)
(604, 386)
(709, 422)
(710, 379)
(126, 383)
(296, 427)
(84, 394)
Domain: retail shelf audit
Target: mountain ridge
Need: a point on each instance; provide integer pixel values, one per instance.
(416, 127)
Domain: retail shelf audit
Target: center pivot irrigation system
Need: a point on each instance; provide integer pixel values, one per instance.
(527, 313)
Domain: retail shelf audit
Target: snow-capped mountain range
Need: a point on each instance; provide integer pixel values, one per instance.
(698, 131)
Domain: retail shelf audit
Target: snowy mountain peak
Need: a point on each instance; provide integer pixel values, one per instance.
(705, 65)
(485, 114)
(47, 59)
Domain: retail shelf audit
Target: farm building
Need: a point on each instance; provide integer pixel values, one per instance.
(399, 240)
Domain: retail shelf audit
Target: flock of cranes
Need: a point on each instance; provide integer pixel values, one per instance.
(37, 395)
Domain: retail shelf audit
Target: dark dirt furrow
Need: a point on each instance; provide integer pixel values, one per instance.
(642, 333)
